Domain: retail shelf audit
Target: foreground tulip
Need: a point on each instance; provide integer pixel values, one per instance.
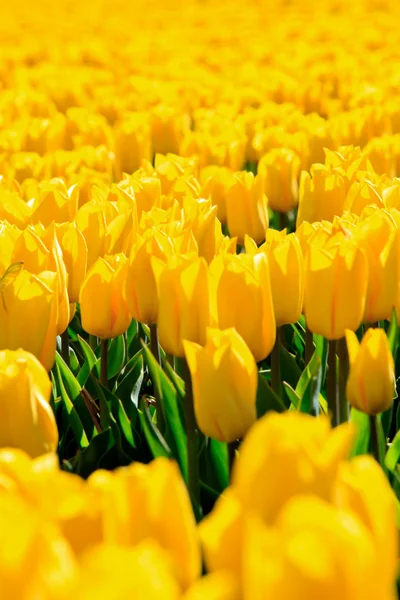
(184, 302)
(28, 316)
(246, 207)
(242, 293)
(104, 310)
(370, 386)
(224, 376)
(27, 421)
(335, 289)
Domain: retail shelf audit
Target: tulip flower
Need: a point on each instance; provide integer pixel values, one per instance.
(104, 311)
(335, 289)
(246, 207)
(74, 249)
(91, 220)
(280, 169)
(215, 586)
(322, 194)
(184, 302)
(27, 419)
(141, 289)
(224, 378)
(370, 385)
(215, 184)
(132, 143)
(243, 299)
(28, 316)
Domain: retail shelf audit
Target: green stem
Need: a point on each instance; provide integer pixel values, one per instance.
(276, 365)
(343, 375)
(375, 446)
(232, 447)
(93, 341)
(104, 363)
(155, 349)
(65, 347)
(190, 425)
(332, 390)
(309, 351)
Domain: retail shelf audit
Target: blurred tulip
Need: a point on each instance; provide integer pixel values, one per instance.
(28, 316)
(104, 311)
(215, 586)
(322, 194)
(335, 289)
(224, 377)
(280, 170)
(132, 143)
(243, 299)
(183, 302)
(370, 385)
(246, 207)
(27, 421)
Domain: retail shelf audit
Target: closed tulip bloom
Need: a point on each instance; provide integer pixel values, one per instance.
(243, 299)
(370, 385)
(247, 208)
(184, 311)
(335, 289)
(280, 169)
(141, 289)
(132, 143)
(322, 194)
(74, 251)
(224, 377)
(28, 316)
(91, 220)
(215, 182)
(27, 420)
(104, 311)
(286, 270)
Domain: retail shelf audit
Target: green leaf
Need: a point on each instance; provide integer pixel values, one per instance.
(361, 422)
(309, 386)
(131, 334)
(392, 457)
(321, 349)
(290, 371)
(94, 455)
(175, 434)
(218, 457)
(393, 334)
(89, 355)
(267, 399)
(155, 440)
(116, 356)
(128, 390)
(73, 390)
(292, 395)
(73, 417)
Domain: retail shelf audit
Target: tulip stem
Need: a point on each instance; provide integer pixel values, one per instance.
(276, 364)
(375, 446)
(65, 347)
(332, 390)
(104, 363)
(309, 351)
(190, 425)
(155, 349)
(343, 374)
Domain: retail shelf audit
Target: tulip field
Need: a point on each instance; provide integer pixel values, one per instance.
(200, 300)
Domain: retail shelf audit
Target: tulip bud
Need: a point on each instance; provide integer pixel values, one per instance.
(104, 311)
(28, 316)
(322, 194)
(27, 421)
(280, 169)
(246, 207)
(184, 302)
(224, 377)
(243, 299)
(370, 385)
(335, 289)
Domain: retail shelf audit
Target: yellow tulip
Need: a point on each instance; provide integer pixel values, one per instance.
(215, 586)
(246, 207)
(27, 421)
(322, 194)
(104, 311)
(141, 289)
(286, 270)
(370, 385)
(184, 311)
(215, 184)
(243, 299)
(91, 220)
(74, 249)
(335, 289)
(224, 377)
(132, 143)
(280, 169)
(28, 316)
